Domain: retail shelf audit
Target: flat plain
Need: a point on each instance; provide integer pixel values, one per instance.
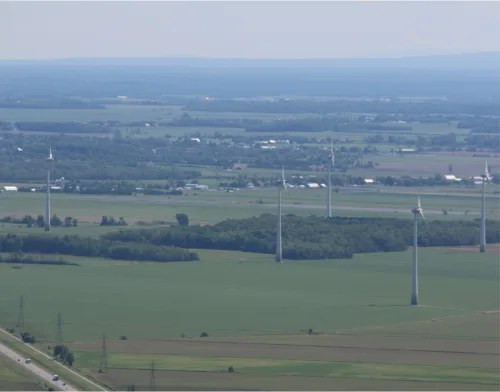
(257, 315)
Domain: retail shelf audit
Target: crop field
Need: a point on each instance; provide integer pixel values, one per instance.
(214, 206)
(429, 164)
(257, 314)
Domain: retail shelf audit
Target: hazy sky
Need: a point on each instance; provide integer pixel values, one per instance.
(250, 29)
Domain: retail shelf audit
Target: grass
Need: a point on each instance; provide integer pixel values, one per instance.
(189, 298)
(14, 378)
(212, 207)
(50, 365)
(379, 371)
(233, 294)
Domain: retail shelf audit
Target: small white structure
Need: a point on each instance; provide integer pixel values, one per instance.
(368, 181)
(196, 139)
(450, 177)
(198, 187)
(313, 185)
(8, 188)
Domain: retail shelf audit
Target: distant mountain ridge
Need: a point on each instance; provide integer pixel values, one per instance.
(463, 61)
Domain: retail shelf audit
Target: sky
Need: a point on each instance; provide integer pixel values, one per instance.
(245, 29)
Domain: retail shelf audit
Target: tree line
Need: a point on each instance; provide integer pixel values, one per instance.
(61, 127)
(312, 237)
(64, 103)
(296, 106)
(91, 247)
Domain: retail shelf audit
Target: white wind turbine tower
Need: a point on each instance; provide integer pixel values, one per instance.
(279, 248)
(482, 236)
(331, 165)
(417, 214)
(50, 164)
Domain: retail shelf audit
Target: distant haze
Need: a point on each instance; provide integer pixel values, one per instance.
(236, 29)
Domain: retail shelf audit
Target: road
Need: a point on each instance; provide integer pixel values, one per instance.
(35, 369)
(41, 372)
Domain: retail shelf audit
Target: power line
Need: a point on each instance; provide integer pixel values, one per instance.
(20, 322)
(152, 380)
(59, 336)
(103, 367)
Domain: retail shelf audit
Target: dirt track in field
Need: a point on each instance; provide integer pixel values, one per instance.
(186, 381)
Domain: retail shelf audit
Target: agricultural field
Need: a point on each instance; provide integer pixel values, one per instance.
(214, 206)
(238, 320)
(257, 314)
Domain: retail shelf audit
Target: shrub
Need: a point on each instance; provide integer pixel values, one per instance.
(26, 337)
(230, 369)
(204, 335)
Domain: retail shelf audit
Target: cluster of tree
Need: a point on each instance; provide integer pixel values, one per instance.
(321, 124)
(61, 127)
(29, 221)
(312, 237)
(91, 247)
(26, 337)
(182, 219)
(187, 121)
(411, 118)
(62, 353)
(81, 158)
(20, 103)
(111, 221)
(295, 106)
(22, 258)
(480, 124)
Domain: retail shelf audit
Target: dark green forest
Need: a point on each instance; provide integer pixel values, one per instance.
(312, 237)
(90, 247)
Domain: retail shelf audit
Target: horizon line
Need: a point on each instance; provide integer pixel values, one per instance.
(194, 57)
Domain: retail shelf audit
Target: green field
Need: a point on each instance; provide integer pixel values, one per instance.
(300, 325)
(14, 378)
(257, 314)
(214, 206)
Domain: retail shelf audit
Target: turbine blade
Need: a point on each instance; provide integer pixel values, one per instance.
(419, 205)
(422, 214)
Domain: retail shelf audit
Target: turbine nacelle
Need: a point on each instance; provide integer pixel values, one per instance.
(282, 182)
(418, 210)
(50, 157)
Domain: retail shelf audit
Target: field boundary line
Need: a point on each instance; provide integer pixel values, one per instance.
(51, 359)
(331, 346)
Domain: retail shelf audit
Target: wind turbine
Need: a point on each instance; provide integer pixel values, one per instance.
(331, 165)
(50, 164)
(279, 248)
(417, 214)
(482, 235)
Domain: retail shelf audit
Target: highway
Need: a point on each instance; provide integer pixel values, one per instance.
(42, 373)
(35, 369)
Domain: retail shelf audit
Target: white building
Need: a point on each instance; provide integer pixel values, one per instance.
(8, 188)
(196, 187)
